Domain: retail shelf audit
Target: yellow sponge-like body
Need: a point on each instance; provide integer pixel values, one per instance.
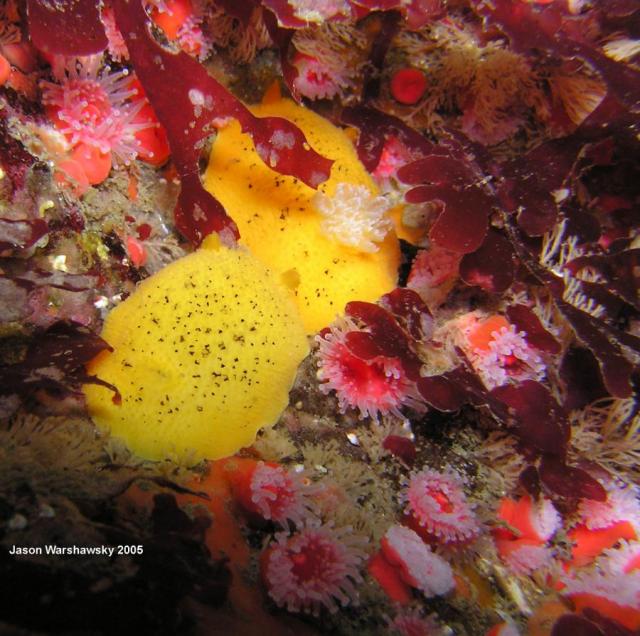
(279, 219)
(205, 352)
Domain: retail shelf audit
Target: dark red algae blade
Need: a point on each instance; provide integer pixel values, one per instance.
(602, 339)
(616, 369)
(529, 182)
(568, 481)
(15, 160)
(529, 479)
(375, 128)
(240, 10)
(451, 177)
(539, 421)
(282, 37)
(525, 320)
(71, 27)
(401, 447)
(363, 345)
(379, 5)
(609, 626)
(409, 310)
(621, 271)
(388, 337)
(492, 266)
(285, 14)
(441, 393)
(189, 104)
(575, 625)
(55, 361)
(19, 234)
(581, 377)
(387, 24)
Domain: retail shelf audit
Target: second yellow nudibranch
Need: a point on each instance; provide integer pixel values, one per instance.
(335, 244)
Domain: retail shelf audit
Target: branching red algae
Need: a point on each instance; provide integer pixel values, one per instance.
(189, 106)
(72, 27)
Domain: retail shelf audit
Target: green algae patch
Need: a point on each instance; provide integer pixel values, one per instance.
(205, 352)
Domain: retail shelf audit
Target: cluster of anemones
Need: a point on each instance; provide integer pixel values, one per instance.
(436, 513)
(103, 119)
(374, 362)
(526, 526)
(310, 567)
(602, 575)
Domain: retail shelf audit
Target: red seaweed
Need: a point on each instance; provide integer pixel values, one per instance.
(72, 27)
(529, 183)
(616, 369)
(389, 25)
(401, 447)
(55, 362)
(363, 345)
(569, 482)
(575, 625)
(492, 266)
(442, 393)
(603, 340)
(19, 234)
(581, 377)
(538, 420)
(379, 5)
(239, 10)
(375, 128)
(287, 17)
(526, 320)
(189, 107)
(410, 310)
(466, 205)
(608, 626)
(14, 158)
(282, 39)
(387, 336)
(285, 14)
(620, 270)
(530, 480)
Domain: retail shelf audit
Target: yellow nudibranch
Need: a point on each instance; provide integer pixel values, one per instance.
(205, 352)
(337, 244)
